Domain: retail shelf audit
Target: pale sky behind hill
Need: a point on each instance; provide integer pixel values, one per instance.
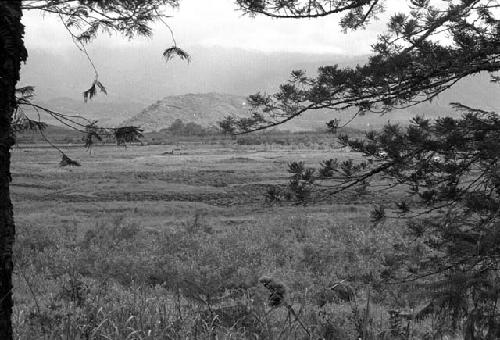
(217, 23)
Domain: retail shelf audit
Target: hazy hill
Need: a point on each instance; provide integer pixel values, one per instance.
(204, 109)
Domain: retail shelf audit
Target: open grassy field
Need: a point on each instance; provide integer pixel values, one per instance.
(146, 243)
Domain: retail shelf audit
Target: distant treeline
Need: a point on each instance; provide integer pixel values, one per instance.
(181, 131)
(179, 128)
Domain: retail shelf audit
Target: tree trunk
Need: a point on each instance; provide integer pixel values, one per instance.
(12, 53)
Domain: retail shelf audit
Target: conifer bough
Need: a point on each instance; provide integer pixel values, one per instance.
(447, 171)
(422, 53)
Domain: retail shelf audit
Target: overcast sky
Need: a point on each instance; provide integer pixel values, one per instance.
(217, 23)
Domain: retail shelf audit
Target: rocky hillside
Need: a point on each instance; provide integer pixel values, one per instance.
(204, 109)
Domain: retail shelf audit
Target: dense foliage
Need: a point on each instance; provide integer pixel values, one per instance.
(446, 171)
(450, 171)
(443, 178)
(424, 51)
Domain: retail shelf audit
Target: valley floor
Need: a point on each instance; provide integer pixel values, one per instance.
(155, 242)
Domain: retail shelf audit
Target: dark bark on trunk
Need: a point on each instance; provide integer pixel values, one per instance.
(12, 53)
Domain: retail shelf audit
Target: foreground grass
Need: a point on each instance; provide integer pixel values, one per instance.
(138, 245)
(116, 280)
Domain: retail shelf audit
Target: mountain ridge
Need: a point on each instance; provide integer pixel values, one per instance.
(205, 109)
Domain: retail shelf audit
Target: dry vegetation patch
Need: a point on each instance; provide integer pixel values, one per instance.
(167, 251)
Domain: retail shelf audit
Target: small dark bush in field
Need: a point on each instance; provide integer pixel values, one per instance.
(277, 291)
(66, 161)
(278, 297)
(377, 214)
(273, 194)
(333, 125)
